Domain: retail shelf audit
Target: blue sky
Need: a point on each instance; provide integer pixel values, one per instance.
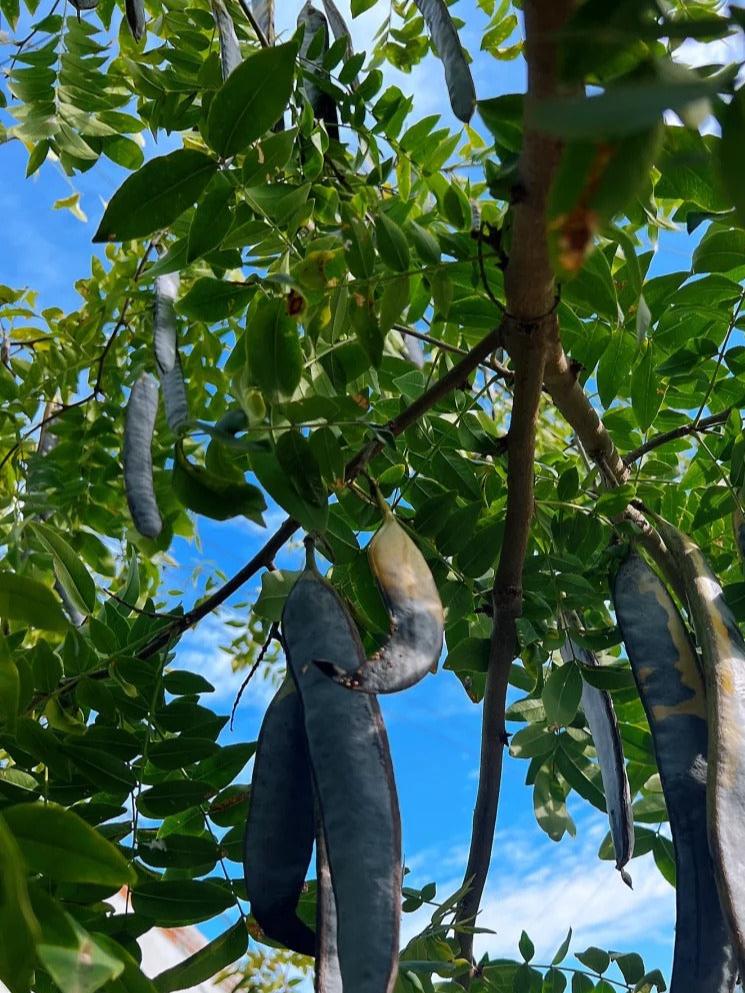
(434, 730)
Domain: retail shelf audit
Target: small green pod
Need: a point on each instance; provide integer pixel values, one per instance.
(352, 771)
(416, 613)
(663, 660)
(278, 842)
(328, 975)
(142, 408)
(135, 13)
(601, 719)
(723, 655)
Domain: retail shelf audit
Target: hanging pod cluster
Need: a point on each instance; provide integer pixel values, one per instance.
(697, 724)
(323, 774)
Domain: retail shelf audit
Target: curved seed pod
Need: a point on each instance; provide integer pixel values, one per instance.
(139, 425)
(324, 108)
(278, 843)
(352, 771)
(135, 13)
(166, 351)
(417, 621)
(723, 653)
(230, 52)
(81, 5)
(457, 74)
(328, 976)
(601, 719)
(337, 24)
(663, 660)
(263, 11)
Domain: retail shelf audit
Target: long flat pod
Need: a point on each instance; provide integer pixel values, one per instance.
(723, 654)
(263, 11)
(165, 342)
(601, 719)
(457, 74)
(415, 609)
(142, 408)
(352, 772)
(278, 843)
(135, 14)
(324, 109)
(663, 660)
(337, 24)
(230, 52)
(328, 974)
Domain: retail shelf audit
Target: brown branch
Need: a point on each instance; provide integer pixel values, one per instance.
(684, 431)
(444, 346)
(530, 326)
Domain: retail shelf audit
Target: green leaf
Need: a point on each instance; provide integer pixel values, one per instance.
(720, 251)
(271, 476)
(154, 196)
(171, 797)
(69, 569)
(176, 903)
(59, 844)
(206, 963)
(19, 925)
(275, 359)
(205, 493)
(392, 244)
(646, 394)
(615, 365)
(563, 949)
(175, 753)
(251, 99)
(211, 299)
(25, 600)
(83, 968)
(595, 959)
(297, 461)
(561, 694)
(526, 946)
(664, 857)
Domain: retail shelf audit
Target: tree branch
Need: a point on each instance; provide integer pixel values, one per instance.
(531, 324)
(693, 427)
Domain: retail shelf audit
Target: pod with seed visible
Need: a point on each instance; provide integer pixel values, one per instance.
(167, 360)
(352, 772)
(142, 408)
(278, 842)
(601, 719)
(415, 609)
(230, 52)
(324, 107)
(723, 655)
(663, 660)
(457, 73)
(135, 14)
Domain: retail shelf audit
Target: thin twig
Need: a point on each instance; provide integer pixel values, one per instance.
(273, 632)
(250, 17)
(692, 427)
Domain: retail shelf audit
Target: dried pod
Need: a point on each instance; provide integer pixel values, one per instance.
(601, 719)
(328, 975)
(142, 408)
(663, 660)
(417, 619)
(337, 24)
(352, 772)
(446, 41)
(324, 107)
(723, 654)
(135, 14)
(263, 11)
(278, 843)
(230, 52)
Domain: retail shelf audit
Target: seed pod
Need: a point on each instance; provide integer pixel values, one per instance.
(337, 24)
(723, 654)
(324, 108)
(230, 52)
(601, 719)
(352, 771)
(416, 613)
(135, 13)
(279, 832)
(81, 5)
(446, 41)
(328, 976)
(263, 11)
(166, 352)
(663, 660)
(139, 425)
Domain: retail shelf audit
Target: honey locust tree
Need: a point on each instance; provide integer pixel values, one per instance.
(472, 317)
